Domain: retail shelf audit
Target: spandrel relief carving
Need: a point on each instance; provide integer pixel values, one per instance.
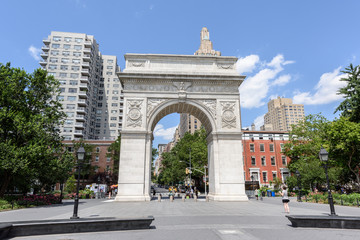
(228, 118)
(134, 115)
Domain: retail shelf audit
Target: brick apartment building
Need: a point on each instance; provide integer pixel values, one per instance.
(263, 158)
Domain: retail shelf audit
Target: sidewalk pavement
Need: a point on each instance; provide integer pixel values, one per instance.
(194, 220)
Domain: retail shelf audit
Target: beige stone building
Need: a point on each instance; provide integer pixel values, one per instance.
(188, 123)
(91, 92)
(282, 113)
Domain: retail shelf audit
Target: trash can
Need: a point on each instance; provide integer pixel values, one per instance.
(273, 194)
(268, 193)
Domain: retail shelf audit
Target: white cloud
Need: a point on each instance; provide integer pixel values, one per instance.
(282, 80)
(259, 121)
(255, 88)
(35, 52)
(166, 134)
(247, 64)
(326, 89)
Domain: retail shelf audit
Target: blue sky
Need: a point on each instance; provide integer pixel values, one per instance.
(293, 49)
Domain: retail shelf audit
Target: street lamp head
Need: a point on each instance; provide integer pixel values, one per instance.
(81, 153)
(323, 154)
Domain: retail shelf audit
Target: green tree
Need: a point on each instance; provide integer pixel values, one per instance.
(70, 185)
(344, 143)
(306, 139)
(350, 107)
(154, 154)
(114, 153)
(30, 115)
(87, 171)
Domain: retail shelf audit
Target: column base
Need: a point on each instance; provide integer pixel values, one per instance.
(228, 198)
(133, 198)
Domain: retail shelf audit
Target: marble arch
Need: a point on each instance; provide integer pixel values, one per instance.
(155, 85)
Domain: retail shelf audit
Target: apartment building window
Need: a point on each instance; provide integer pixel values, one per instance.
(64, 67)
(253, 161)
(52, 67)
(252, 147)
(78, 40)
(115, 92)
(62, 82)
(72, 90)
(67, 46)
(113, 118)
(75, 68)
(274, 175)
(77, 47)
(115, 98)
(70, 114)
(109, 67)
(52, 74)
(76, 54)
(113, 111)
(96, 158)
(60, 98)
(54, 52)
(116, 80)
(64, 60)
(55, 45)
(67, 39)
(272, 161)
(104, 131)
(100, 104)
(271, 147)
(262, 147)
(71, 98)
(53, 60)
(56, 38)
(62, 90)
(67, 129)
(76, 61)
(100, 98)
(74, 75)
(112, 124)
(108, 73)
(69, 122)
(264, 175)
(63, 75)
(283, 160)
(67, 137)
(108, 159)
(281, 147)
(112, 132)
(73, 82)
(70, 106)
(98, 111)
(114, 104)
(263, 161)
(110, 61)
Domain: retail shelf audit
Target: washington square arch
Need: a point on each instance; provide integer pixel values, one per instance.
(205, 85)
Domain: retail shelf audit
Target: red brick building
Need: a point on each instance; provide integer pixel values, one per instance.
(262, 156)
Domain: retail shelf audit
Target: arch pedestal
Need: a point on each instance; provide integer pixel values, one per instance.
(206, 87)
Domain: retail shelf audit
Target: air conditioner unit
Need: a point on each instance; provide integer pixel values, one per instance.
(252, 138)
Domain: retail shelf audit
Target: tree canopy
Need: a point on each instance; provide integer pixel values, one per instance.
(350, 107)
(30, 145)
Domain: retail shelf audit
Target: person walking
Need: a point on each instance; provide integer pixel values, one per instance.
(257, 194)
(285, 199)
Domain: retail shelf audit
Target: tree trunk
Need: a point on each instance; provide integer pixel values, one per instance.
(5, 184)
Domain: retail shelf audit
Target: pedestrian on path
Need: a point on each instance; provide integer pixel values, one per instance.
(256, 194)
(285, 199)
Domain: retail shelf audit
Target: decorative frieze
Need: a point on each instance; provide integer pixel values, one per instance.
(134, 115)
(152, 103)
(228, 118)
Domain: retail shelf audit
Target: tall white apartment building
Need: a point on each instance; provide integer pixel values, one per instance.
(90, 90)
(282, 113)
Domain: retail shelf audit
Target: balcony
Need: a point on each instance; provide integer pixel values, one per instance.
(85, 65)
(88, 44)
(81, 110)
(78, 132)
(45, 48)
(43, 63)
(86, 57)
(82, 102)
(87, 51)
(83, 94)
(83, 85)
(44, 55)
(80, 117)
(84, 79)
(85, 72)
(46, 41)
(79, 125)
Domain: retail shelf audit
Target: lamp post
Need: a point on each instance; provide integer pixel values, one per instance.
(324, 155)
(190, 166)
(252, 184)
(80, 157)
(297, 173)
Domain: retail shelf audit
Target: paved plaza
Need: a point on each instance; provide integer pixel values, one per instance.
(193, 220)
